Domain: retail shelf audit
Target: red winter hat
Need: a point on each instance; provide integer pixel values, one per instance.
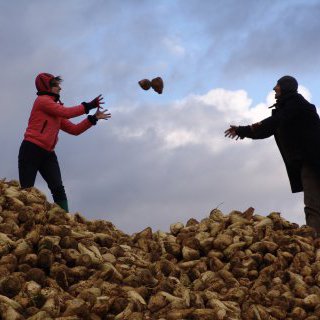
(43, 81)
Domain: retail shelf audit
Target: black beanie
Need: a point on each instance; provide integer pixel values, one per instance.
(288, 84)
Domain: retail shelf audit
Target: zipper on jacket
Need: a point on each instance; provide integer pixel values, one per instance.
(44, 125)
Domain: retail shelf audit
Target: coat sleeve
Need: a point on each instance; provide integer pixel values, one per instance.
(259, 130)
(58, 110)
(268, 126)
(75, 129)
(265, 128)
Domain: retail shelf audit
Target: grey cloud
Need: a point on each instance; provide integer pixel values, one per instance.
(134, 182)
(248, 38)
(283, 42)
(143, 188)
(106, 47)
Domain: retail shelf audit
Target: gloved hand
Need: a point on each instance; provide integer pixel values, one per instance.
(104, 114)
(95, 103)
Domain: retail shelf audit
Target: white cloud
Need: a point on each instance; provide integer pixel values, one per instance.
(195, 120)
(178, 138)
(182, 166)
(155, 163)
(305, 92)
(227, 101)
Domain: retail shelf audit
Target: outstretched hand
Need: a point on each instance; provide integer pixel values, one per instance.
(231, 132)
(93, 104)
(102, 114)
(97, 101)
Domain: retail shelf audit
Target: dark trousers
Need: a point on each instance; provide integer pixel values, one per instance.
(32, 159)
(311, 188)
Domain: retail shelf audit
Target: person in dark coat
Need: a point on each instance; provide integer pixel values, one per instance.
(295, 125)
(49, 116)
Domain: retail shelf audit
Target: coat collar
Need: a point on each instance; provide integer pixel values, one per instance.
(282, 99)
(56, 97)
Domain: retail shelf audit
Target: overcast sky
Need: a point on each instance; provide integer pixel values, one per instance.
(160, 158)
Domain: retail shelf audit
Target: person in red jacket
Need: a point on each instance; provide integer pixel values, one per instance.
(47, 117)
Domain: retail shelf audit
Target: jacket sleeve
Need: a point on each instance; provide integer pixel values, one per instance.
(75, 129)
(259, 130)
(58, 110)
(268, 126)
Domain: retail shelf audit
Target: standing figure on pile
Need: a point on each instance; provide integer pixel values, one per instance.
(47, 117)
(295, 125)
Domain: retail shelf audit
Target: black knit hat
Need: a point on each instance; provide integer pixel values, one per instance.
(288, 84)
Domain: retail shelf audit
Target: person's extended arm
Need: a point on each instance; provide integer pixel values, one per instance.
(58, 110)
(260, 130)
(76, 129)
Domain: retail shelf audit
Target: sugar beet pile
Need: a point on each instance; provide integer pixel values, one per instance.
(55, 265)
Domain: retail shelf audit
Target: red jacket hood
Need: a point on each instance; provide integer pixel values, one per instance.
(43, 81)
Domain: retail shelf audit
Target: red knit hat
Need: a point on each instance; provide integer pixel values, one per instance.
(43, 81)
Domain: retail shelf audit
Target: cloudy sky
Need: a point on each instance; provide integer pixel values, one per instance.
(161, 158)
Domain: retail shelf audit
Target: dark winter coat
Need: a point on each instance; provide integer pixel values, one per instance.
(295, 125)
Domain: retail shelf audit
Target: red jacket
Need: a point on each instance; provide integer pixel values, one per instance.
(48, 117)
